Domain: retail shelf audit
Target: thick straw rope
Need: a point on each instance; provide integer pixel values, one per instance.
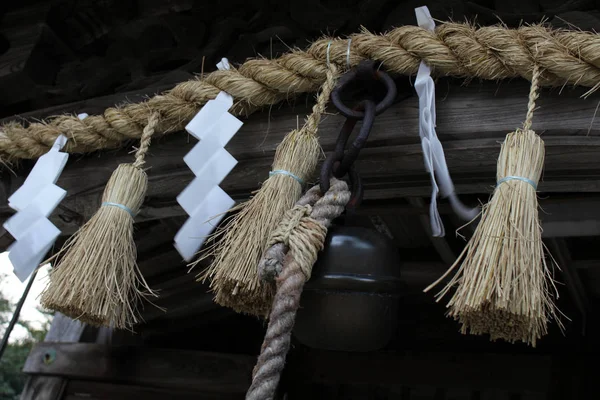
(460, 50)
(295, 245)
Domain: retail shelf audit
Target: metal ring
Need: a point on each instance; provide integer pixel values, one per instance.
(348, 54)
(351, 154)
(356, 190)
(339, 162)
(348, 77)
(328, 47)
(337, 154)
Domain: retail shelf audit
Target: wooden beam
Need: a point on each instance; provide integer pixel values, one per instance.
(480, 109)
(472, 120)
(561, 216)
(90, 390)
(62, 329)
(389, 173)
(157, 368)
(97, 105)
(44, 388)
(446, 370)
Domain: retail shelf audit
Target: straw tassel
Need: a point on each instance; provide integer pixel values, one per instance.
(96, 278)
(233, 273)
(504, 286)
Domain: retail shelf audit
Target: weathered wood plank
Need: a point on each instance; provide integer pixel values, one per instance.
(163, 262)
(96, 105)
(62, 329)
(76, 390)
(390, 172)
(472, 120)
(44, 388)
(181, 295)
(447, 370)
(209, 372)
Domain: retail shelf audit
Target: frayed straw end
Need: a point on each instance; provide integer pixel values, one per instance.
(255, 302)
(234, 271)
(502, 324)
(502, 280)
(97, 280)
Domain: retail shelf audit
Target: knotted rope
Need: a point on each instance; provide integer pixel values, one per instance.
(460, 50)
(295, 245)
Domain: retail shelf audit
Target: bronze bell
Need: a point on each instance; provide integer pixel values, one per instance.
(351, 301)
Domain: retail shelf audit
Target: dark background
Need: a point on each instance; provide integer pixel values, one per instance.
(58, 52)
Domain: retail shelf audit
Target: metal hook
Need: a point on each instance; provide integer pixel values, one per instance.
(367, 70)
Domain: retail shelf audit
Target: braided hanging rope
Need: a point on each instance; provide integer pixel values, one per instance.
(294, 248)
(460, 50)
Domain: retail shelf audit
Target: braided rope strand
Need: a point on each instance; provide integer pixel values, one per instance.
(460, 50)
(276, 344)
(305, 239)
(140, 154)
(533, 96)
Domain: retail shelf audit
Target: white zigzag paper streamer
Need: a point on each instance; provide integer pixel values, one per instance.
(34, 201)
(433, 152)
(203, 199)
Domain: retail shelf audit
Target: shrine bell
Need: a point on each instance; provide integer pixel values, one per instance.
(351, 301)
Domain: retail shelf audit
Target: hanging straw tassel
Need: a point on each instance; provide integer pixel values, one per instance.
(97, 279)
(503, 282)
(233, 272)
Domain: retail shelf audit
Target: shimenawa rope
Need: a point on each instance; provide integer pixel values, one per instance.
(454, 49)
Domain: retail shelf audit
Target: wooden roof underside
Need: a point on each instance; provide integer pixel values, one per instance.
(471, 122)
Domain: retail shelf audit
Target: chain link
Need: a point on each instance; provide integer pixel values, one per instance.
(340, 162)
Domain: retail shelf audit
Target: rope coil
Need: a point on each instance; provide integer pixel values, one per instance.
(460, 50)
